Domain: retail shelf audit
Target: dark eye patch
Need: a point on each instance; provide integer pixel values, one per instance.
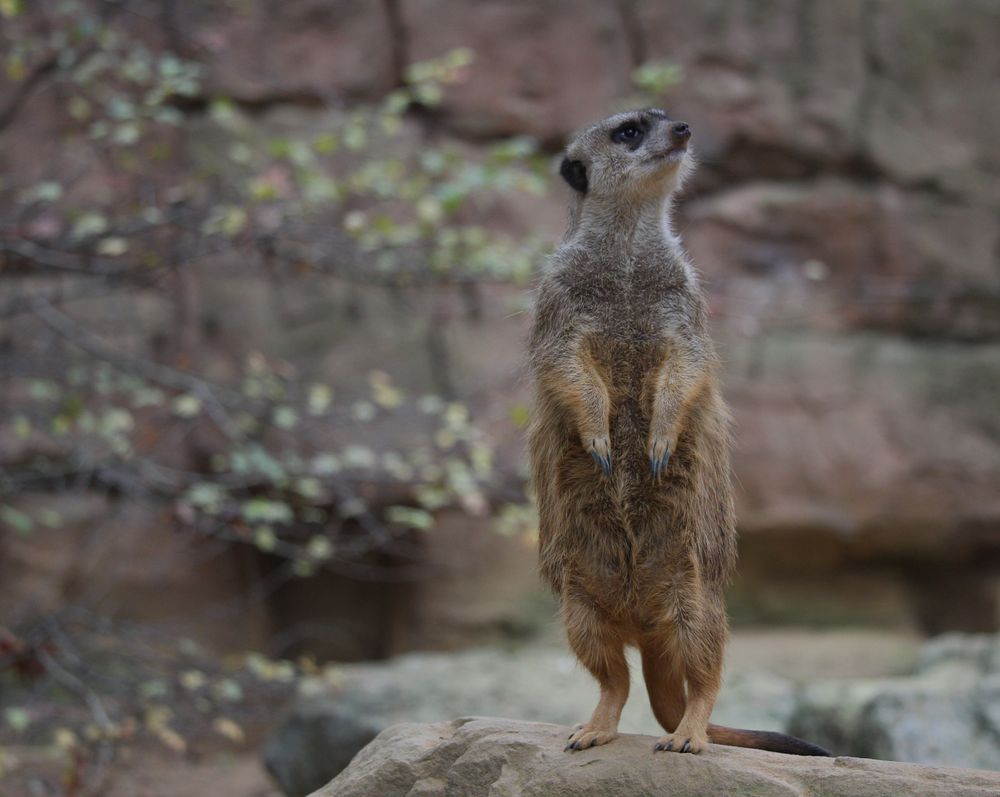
(630, 133)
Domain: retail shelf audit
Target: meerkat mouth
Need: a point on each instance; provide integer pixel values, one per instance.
(671, 154)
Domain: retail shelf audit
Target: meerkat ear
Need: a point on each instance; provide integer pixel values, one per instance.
(574, 173)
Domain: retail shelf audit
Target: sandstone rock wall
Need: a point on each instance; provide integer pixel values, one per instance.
(846, 218)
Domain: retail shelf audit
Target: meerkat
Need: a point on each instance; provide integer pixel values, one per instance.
(630, 438)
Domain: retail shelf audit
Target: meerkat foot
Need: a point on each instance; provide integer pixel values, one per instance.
(600, 450)
(681, 743)
(585, 736)
(659, 455)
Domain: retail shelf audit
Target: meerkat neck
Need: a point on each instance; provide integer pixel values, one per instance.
(622, 226)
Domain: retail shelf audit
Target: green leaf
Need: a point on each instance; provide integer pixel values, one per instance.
(410, 516)
(228, 690)
(22, 427)
(657, 76)
(207, 496)
(11, 8)
(519, 415)
(112, 247)
(48, 191)
(304, 569)
(263, 510)
(363, 411)
(43, 390)
(308, 488)
(17, 718)
(127, 133)
(325, 464)
(187, 406)
(264, 539)
(155, 689)
(358, 457)
(319, 548)
(17, 520)
(318, 399)
(50, 518)
(285, 417)
(117, 421)
(325, 144)
(89, 224)
(355, 135)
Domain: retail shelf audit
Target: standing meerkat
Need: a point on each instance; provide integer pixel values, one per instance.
(629, 444)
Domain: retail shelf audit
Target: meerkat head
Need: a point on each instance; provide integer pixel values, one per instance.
(630, 157)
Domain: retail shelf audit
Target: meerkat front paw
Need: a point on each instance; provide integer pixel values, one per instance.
(600, 450)
(660, 449)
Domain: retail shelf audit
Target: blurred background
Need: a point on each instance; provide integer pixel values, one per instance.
(266, 278)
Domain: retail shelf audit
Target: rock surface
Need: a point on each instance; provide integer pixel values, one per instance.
(333, 721)
(947, 712)
(501, 758)
(329, 725)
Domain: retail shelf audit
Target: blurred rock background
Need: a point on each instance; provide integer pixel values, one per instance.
(266, 284)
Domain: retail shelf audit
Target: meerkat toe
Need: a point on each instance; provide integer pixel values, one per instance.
(584, 738)
(679, 743)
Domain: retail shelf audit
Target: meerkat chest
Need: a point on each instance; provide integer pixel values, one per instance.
(628, 302)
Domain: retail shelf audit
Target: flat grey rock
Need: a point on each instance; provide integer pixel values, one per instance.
(483, 757)
(329, 724)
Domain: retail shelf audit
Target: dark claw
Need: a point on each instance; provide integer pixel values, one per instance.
(659, 466)
(604, 463)
(687, 746)
(592, 742)
(568, 747)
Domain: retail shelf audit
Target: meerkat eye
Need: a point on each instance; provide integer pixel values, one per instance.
(628, 133)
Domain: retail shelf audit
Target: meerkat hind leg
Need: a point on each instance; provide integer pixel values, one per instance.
(664, 683)
(602, 652)
(704, 679)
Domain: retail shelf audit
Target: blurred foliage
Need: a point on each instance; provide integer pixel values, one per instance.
(404, 218)
(289, 469)
(133, 686)
(657, 77)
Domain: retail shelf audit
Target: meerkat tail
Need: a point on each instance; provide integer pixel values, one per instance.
(764, 740)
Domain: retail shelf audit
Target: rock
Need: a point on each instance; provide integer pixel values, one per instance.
(320, 739)
(980, 651)
(945, 713)
(540, 68)
(471, 757)
(329, 724)
(312, 52)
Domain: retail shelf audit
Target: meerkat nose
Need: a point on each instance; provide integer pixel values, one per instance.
(680, 132)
